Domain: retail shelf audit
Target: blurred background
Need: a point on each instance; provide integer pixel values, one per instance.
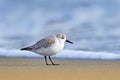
(93, 25)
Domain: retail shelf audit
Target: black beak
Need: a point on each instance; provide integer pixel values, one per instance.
(69, 41)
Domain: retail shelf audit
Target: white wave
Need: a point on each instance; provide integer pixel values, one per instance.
(62, 54)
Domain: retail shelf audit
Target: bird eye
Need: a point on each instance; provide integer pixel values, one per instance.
(62, 37)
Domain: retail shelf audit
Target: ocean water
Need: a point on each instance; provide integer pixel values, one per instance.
(93, 26)
(63, 54)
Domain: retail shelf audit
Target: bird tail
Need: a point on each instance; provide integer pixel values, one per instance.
(26, 48)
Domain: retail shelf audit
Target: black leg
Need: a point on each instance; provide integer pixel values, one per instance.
(46, 60)
(52, 61)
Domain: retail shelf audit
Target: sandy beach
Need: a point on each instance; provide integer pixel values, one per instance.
(69, 69)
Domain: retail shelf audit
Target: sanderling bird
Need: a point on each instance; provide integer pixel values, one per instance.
(49, 46)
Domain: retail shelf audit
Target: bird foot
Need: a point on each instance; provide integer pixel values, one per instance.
(52, 64)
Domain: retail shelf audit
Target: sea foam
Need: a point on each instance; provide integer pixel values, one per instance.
(63, 54)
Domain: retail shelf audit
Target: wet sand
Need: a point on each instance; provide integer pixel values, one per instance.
(69, 69)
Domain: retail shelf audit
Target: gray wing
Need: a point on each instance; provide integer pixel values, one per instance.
(44, 43)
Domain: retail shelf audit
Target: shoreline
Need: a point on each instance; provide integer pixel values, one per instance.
(69, 69)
